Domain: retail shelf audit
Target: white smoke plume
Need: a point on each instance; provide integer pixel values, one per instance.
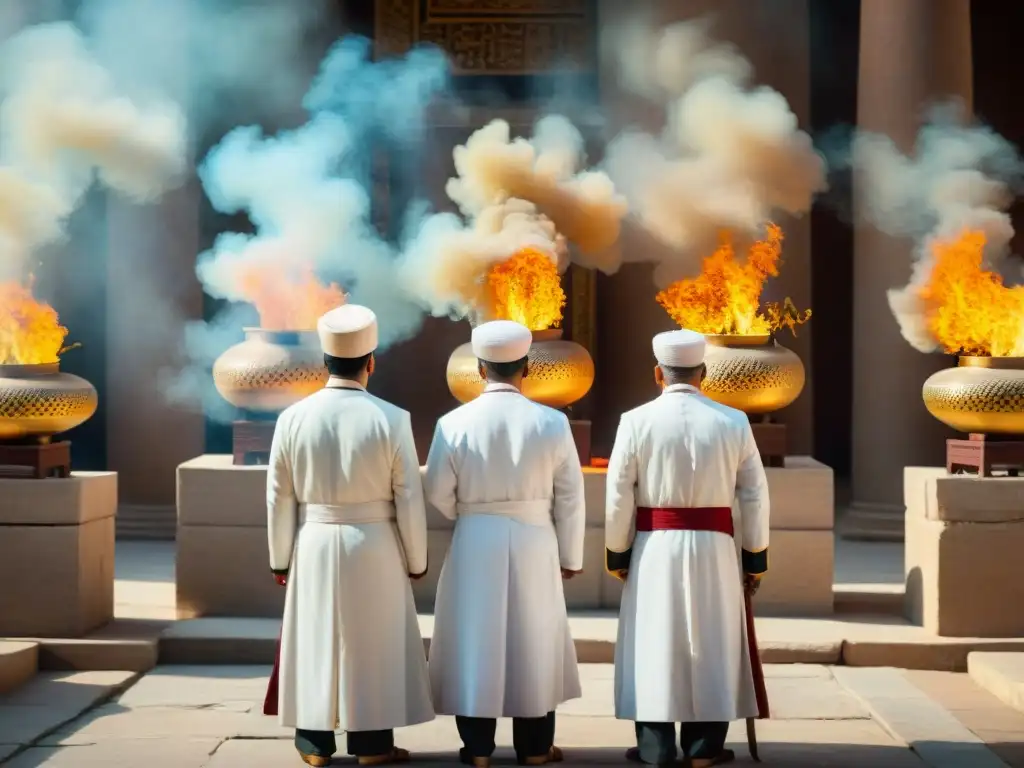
(64, 124)
(731, 157)
(209, 54)
(304, 190)
(514, 193)
(959, 176)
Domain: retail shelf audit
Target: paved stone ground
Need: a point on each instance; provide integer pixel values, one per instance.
(208, 717)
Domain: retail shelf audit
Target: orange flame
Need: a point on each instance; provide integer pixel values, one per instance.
(968, 309)
(725, 297)
(30, 331)
(288, 299)
(526, 288)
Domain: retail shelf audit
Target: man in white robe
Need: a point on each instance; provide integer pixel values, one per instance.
(677, 466)
(507, 471)
(347, 530)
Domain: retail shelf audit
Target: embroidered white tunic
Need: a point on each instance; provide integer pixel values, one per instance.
(681, 654)
(346, 516)
(507, 471)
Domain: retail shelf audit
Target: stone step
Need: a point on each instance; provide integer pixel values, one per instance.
(19, 662)
(860, 599)
(863, 641)
(1001, 674)
(123, 644)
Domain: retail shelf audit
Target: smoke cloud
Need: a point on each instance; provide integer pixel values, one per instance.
(513, 193)
(731, 157)
(961, 175)
(305, 192)
(63, 125)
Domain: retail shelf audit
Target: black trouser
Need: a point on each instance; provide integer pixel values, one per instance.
(360, 743)
(531, 736)
(657, 741)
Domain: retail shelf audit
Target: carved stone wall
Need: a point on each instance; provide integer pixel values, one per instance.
(492, 37)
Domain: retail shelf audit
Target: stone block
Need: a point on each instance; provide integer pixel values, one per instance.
(19, 663)
(932, 493)
(1001, 674)
(425, 590)
(962, 569)
(595, 483)
(802, 495)
(225, 571)
(213, 491)
(57, 546)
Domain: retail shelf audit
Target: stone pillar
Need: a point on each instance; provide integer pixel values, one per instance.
(912, 53)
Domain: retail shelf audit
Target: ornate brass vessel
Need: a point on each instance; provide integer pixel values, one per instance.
(561, 372)
(40, 401)
(755, 374)
(270, 370)
(982, 394)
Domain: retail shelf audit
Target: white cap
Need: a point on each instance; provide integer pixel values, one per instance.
(501, 341)
(348, 331)
(679, 349)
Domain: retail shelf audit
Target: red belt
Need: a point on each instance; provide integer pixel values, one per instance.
(717, 519)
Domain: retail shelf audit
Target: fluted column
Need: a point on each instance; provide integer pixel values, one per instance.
(912, 53)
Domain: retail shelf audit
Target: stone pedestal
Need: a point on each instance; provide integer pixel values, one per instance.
(964, 541)
(57, 555)
(222, 566)
(801, 549)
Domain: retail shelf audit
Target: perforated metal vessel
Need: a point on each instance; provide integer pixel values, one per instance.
(981, 394)
(40, 401)
(561, 372)
(752, 373)
(270, 370)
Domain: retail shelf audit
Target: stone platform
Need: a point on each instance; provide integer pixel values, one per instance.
(221, 542)
(964, 543)
(57, 554)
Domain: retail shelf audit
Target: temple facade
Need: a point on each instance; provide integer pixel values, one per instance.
(875, 63)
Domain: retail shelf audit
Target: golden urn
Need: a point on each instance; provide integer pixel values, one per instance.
(560, 373)
(982, 394)
(754, 374)
(270, 370)
(38, 401)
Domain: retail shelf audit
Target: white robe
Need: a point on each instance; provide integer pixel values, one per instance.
(681, 654)
(346, 516)
(507, 470)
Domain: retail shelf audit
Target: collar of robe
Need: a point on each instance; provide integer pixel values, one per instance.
(494, 387)
(687, 389)
(335, 383)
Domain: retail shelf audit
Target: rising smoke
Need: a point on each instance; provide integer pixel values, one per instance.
(731, 157)
(63, 125)
(512, 193)
(961, 175)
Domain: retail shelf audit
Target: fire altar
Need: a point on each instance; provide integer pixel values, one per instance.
(747, 368)
(262, 376)
(964, 536)
(971, 313)
(37, 400)
(527, 288)
(70, 520)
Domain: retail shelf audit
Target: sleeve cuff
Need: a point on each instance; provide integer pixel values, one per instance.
(755, 563)
(279, 571)
(617, 561)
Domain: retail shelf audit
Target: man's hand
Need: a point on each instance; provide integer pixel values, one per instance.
(567, 574)
(281, 579)
(417, 576)
(751, 583)
(620, 574)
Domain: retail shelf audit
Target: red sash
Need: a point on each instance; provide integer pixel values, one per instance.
(719, 520)
(270, 702)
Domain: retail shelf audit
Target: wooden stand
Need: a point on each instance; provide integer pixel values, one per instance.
(985, 454)
(35, 460)
(250, 442)
(771, 441)
(581, 434)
